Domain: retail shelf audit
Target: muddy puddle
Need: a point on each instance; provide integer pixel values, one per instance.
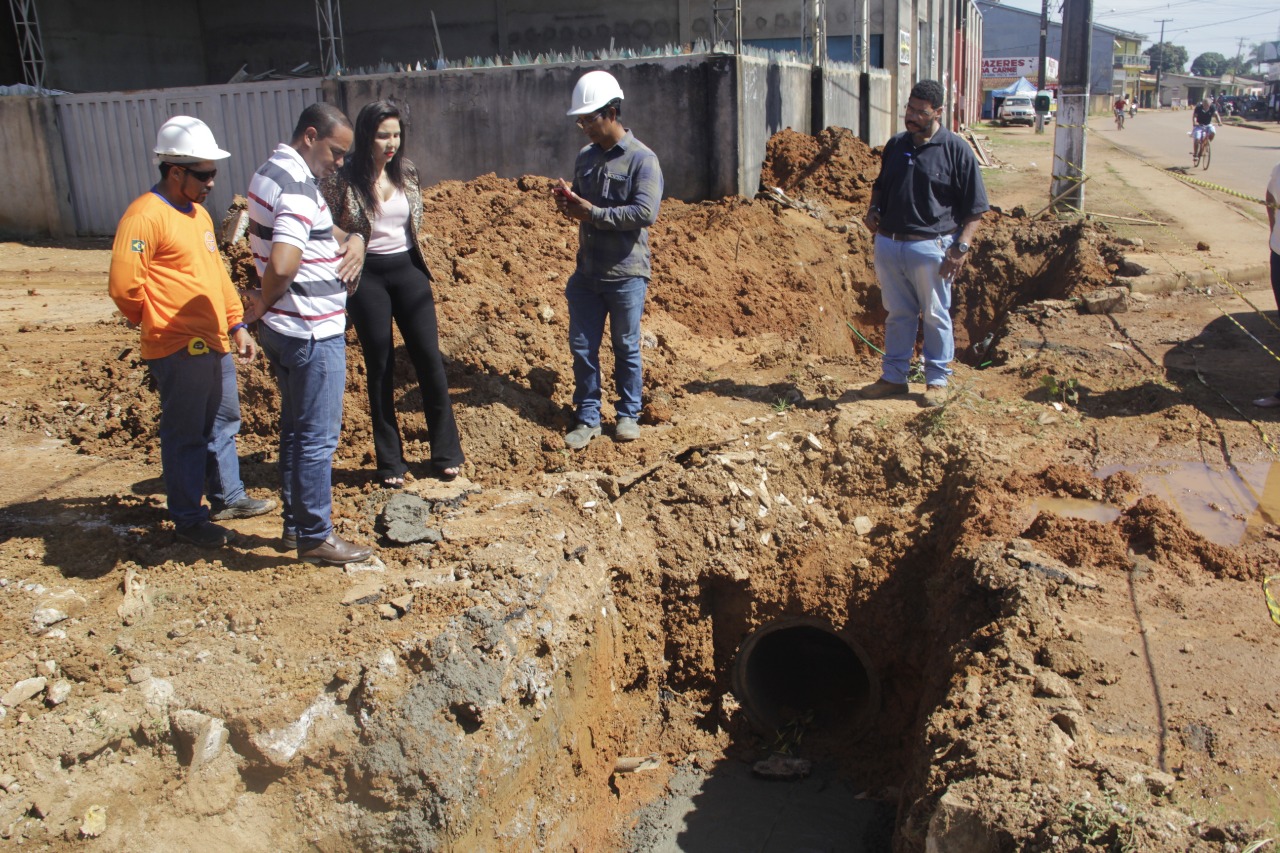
(1227, 506)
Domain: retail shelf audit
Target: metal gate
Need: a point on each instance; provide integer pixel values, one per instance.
(108, 137)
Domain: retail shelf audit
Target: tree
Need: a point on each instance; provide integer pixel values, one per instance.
(1209, 65)
(1167, 57)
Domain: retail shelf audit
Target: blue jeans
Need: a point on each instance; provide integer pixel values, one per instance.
(312, 376)
(590, 302)
(199, 420)
(911, 287)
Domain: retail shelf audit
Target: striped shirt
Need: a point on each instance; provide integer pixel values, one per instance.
(285, 206)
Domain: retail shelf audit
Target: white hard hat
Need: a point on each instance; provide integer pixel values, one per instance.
(594, 91)
(183, 139)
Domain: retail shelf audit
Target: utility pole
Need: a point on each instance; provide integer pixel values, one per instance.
(1159, 64)
(1042, 81)
(1236, 68)
(1067, 189)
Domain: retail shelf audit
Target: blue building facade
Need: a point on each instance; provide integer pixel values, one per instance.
(1009, 32)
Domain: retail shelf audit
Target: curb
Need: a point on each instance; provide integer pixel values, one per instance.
(1173, 282)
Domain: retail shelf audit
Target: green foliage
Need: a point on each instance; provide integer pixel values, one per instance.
(915, 373)
(1107, 826)
(1167, 57)
(782, 404)
(1063, 390)
(1209, 65)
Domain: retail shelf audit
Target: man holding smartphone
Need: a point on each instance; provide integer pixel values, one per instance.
(615, 194)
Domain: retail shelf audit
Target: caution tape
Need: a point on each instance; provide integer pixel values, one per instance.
(1209, 185)
(1273, 606)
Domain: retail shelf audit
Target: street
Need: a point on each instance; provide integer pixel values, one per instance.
(1242, 157)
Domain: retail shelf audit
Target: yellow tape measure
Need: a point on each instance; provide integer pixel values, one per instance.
(197, 346)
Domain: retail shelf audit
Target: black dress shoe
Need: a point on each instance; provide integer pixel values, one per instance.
(335, 551)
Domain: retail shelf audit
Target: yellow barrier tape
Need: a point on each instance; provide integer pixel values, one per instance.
(1212, 186)
(1272, 605)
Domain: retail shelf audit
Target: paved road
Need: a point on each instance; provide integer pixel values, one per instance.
(1242, 158)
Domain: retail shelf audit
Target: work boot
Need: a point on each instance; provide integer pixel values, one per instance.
(882, 388)
(627, 429)
(206, 535)
(1268, 402)
(335, 551)
(246, 507)
(288, 542)
(581, 436)
(935, 395)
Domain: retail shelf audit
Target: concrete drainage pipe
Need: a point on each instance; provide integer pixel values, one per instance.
(799, 664)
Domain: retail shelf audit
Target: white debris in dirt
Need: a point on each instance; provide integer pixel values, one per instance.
(43, 617)
(139, 674)
(812, 441)
(862, 525)
(94, 822)
(47, 668)
(279, 746)
(373, 564)
(58, 693)
(136, 606)
(23, 690)
(158, 693)
(199, 737)
(783, 767)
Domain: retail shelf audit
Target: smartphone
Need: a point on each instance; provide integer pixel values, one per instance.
(560, 191)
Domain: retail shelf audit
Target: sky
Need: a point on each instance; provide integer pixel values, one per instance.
(1201, 26)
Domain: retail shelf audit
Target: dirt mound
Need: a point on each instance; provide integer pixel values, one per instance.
(834, 165)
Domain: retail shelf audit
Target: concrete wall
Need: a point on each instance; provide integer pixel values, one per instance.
(511, 121)
(842, 98)
(138, 44)
(775, 95)
(35, 196)
(882, 121)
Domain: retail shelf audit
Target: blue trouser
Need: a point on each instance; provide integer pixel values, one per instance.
(590, 302)
(199, 420)
(312, 376)
(911, 287)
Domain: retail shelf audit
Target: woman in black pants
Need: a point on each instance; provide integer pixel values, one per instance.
(376, 195)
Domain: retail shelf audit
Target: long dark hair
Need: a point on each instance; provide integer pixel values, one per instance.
(359, 162)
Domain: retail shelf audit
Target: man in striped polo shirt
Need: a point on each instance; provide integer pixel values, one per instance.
(300, 259)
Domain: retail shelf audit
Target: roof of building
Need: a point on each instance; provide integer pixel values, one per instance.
(987, 4)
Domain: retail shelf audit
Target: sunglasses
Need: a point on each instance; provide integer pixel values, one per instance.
(202, 177)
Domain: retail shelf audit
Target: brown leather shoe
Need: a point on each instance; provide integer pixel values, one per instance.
(882, 388)
(335, 551)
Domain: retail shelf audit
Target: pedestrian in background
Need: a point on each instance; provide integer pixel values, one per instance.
(376, 195)
(615, 195)
(926, 205)
(167, 277)
(1273, 197)
(300, 259)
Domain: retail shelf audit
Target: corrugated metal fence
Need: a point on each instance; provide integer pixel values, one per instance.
(108, 137)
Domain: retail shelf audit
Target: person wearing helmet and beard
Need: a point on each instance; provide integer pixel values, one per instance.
(614, 197)
(167, 277)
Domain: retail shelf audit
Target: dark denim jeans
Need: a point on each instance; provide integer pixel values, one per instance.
(199, 420)
(312, 376)
(590, 302)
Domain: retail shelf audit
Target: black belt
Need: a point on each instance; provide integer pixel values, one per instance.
(907, 238)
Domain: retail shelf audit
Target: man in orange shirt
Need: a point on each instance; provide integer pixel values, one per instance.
(168, 278)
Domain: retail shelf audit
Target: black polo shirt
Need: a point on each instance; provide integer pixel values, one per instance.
(930, 190)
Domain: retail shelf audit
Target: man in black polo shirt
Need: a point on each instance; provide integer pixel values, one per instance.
(925, 208)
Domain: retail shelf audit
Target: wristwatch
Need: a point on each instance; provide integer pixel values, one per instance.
(961, 248)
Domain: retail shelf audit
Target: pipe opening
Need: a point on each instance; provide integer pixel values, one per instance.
(803, 669)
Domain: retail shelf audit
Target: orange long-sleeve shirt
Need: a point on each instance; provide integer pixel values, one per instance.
(167, 275)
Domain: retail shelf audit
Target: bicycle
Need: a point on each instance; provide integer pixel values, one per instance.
(1119, 119)
(1201, 150)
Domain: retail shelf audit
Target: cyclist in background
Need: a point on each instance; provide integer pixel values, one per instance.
(1202, 118)
(1119, 107)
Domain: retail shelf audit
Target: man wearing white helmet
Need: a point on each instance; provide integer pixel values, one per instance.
(615, 194)
(167, 277)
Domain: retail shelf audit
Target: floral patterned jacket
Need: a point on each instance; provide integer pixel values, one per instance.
(350, 215)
